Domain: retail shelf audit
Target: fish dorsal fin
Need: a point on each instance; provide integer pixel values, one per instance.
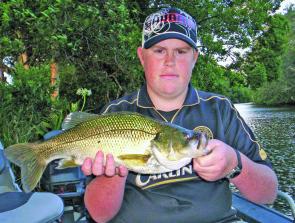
(76, 118)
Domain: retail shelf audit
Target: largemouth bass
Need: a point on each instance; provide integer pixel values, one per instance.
(142, 144)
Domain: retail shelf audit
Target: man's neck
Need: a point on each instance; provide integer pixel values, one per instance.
(167, 103)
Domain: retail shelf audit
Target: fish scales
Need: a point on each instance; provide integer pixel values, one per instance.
(106, 132)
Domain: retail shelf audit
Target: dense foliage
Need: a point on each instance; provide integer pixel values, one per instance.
(94, 45)
(264, 62)
(24, 104)
(282, 89)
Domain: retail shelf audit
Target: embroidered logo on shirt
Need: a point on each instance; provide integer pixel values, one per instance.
(204, 129)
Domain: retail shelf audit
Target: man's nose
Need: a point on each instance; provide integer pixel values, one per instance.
(170, 59)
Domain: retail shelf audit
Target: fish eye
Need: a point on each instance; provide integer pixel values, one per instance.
(192, 136)
(187, 136)
(158, 136)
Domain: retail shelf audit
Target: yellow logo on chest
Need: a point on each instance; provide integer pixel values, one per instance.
(204, 129)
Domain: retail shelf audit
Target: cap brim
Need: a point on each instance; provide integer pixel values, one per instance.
(152, 41)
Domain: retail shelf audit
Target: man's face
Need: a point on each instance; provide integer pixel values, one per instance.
(168, 67)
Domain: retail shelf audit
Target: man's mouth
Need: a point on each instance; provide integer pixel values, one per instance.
(169, 76)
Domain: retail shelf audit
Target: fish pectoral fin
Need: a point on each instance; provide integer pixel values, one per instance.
(67, 163)
(134, 159)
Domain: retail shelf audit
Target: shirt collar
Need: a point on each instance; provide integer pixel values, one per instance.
(192, 97)
(143, 99)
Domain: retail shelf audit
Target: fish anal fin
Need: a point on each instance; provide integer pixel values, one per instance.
(68, 163)
(134, 159)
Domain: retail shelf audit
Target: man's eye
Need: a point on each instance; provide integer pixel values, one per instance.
(159, 51)
(182, 51)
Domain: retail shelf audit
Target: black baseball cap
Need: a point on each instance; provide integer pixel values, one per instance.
(169, 23)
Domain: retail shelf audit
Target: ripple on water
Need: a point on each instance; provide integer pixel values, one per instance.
(274, 127)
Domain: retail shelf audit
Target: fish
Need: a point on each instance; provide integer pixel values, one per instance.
(144, 145)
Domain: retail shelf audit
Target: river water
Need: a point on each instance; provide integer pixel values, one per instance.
(274, 128)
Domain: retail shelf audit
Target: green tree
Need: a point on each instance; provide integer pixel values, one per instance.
(289, 61)
(210, 76)
(96, 41)
(256, 74)
(282, 91)
(24, 104)
(264, 62)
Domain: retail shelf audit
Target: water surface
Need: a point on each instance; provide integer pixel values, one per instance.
(274, 128)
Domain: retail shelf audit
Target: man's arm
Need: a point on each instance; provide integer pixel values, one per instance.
(104, 194)
(256, 182)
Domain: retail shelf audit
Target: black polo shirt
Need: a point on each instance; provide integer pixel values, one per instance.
(180, 195)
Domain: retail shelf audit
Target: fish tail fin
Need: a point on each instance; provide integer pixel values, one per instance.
(32, 166)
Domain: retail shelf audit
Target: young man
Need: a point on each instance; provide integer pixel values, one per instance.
(198, 192)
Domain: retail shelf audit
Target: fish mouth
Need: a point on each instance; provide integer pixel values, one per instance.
(201, 149)
(197, 144)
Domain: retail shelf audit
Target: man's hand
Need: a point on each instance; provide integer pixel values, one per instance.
(104, 194)
(97, 167)
(218, 163)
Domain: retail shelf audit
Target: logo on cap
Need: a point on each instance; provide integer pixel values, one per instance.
(169, 23)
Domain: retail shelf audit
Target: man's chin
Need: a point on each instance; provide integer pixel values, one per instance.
(170, 93)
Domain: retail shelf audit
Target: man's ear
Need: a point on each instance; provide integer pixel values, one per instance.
(140, 55)
(196, 55)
